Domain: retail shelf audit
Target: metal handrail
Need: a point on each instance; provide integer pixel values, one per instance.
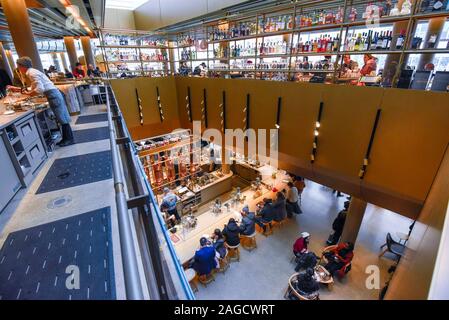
(129, 259)
(153, 203)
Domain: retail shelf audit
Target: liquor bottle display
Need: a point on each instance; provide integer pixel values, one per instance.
(248, 50)
(368, 41)
(273, 47)
(188, 54)
(323, 43)
(275, 24)
(241, 29)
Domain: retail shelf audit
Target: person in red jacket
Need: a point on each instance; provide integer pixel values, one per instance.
(339, 257)
(300, 245)
(78, 72)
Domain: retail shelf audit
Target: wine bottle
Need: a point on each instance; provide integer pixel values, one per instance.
(400, 41)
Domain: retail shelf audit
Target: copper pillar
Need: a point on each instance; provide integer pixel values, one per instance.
(71, 51)
(87, 49)
(354, 219)
(20, 28)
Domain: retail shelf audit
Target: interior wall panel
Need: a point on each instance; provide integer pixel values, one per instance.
(346, 124)
(407, 150)
(410, 142)
(124, 90)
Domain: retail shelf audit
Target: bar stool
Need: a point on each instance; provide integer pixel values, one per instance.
(268, 228)
(249, 242)
(205, 279)
(233, 252)
(278, 224)
(191, 277)
(224, 263)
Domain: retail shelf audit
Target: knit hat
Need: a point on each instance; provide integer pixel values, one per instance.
(25, 62)
(245, 209)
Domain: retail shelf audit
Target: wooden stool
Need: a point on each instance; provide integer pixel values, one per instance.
(268, 228)
(249, 242)
(205, 279)
(191, 277)
(223, 263)
(277, 224)
(233, 252)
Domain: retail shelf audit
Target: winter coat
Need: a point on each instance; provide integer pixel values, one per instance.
(247, 226)
(220, 247)
(280, 209)
(205, 260)
(232, 234)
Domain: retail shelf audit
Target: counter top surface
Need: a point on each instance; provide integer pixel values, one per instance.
(6, 120)
(188, 240)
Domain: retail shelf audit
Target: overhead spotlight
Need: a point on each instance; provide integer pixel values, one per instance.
(316, 133)
(317, 124)
(277, 126)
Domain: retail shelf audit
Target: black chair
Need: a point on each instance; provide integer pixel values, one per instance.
(392, 246)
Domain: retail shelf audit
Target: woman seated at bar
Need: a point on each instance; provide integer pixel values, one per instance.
(279, 205)
(247, 227)
(266, 214)
(218, 242)
(339, 257)
(204, 261)
(231, 232)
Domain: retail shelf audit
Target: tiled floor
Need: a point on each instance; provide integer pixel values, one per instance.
(263, 273)
(29, 209)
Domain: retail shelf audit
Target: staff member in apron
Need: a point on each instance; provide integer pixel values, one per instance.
(40, 84)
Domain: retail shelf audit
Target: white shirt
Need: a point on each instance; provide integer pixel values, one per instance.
(39, 81)
(292, 195)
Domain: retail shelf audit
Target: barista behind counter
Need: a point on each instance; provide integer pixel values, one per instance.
(40, 84)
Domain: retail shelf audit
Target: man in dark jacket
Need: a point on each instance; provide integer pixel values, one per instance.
(338, 225)
(204, 258)
(266, 214)
(248, 225)
(279, 205)
(231, 232)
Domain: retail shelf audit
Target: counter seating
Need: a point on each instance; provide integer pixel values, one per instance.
(233, 252)
(192, 278)
(205, 279)
(224, 263)
(248, 242)
(292, 291)
(278, 224)
(268, 228)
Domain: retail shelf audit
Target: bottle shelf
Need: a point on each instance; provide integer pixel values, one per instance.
(330, 25)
